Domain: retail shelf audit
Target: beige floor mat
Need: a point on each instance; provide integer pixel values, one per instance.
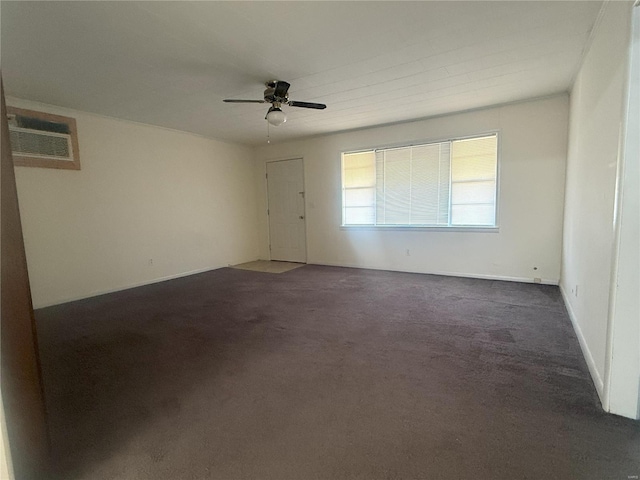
(268, 266)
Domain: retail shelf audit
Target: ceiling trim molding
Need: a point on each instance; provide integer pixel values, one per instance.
(589, 42)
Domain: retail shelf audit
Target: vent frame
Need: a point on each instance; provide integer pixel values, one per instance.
(21, 159)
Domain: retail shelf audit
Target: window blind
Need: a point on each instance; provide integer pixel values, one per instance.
(413, 185)
(448, 183)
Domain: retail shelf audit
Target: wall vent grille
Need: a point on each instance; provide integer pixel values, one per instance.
(40, 144)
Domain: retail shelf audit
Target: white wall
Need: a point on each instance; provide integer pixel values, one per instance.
(624, 380)
(589, 254)
(186, 202)
(533, 143)
(624, 337)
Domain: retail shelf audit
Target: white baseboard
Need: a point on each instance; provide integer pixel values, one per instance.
(329, 264)
(128, 286)
(481, 276)
(593, 370)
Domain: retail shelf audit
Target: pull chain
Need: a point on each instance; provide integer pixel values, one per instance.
(268, 138)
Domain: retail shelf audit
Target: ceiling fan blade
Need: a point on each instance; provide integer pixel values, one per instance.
(317, 106)
(233, 100)
(281, 89)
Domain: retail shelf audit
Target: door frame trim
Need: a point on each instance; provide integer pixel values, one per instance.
(304, 203)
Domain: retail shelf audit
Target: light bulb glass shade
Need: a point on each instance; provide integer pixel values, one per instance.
(276, 117)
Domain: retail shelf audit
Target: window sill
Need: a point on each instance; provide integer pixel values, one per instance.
(408, 228)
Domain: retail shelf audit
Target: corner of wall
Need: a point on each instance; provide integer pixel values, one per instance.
(584, 346)
(592, 206)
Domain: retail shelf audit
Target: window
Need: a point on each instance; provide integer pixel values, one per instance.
(444, 184)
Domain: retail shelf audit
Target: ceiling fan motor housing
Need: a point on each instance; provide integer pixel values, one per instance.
(270, 92)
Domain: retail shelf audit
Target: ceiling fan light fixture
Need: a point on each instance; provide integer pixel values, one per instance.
(276, 117)
(277, 94)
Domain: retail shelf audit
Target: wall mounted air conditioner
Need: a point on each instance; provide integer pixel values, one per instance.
(40, 144)
(41, 139)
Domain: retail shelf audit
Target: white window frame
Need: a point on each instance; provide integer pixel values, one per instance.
(430, 228)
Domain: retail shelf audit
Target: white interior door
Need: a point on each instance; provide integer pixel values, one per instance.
(285, 187)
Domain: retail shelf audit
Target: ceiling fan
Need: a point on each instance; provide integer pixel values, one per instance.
(277, 95)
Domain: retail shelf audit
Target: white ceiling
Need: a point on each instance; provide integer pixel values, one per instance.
(171, 63)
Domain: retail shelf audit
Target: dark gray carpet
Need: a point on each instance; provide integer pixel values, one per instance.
(326, 373)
